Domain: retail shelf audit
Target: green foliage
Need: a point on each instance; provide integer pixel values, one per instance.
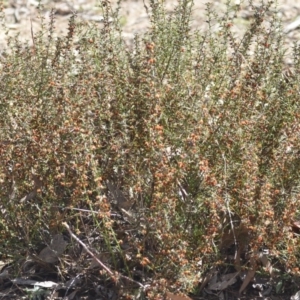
(197, 131)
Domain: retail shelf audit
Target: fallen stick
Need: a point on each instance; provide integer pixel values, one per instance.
(110, 272)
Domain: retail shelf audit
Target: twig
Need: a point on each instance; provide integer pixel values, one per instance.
(32, 36)
(292, 26)
(111, 273)
(227, 200)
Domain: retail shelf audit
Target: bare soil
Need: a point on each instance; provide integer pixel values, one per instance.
(22, 16)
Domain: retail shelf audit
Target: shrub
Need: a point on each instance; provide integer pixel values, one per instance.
(166, 153)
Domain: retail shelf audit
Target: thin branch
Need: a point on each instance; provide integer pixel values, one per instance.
(111, 273)
(32, 36)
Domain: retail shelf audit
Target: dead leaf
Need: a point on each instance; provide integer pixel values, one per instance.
(296, 296)
(266, 263)
(229, 276)
(72, 295)
(4, 275)
(208, 277)
(170, 296)
(213, 280)
(221, 296)
(250, 275)
(51, 253)
(227, 280)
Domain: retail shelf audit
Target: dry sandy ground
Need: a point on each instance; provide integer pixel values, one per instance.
(22, 14)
